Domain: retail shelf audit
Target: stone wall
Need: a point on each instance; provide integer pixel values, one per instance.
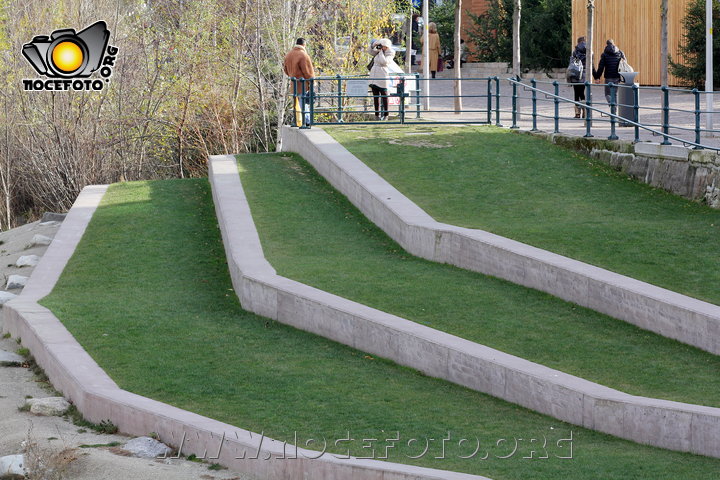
(693, 174)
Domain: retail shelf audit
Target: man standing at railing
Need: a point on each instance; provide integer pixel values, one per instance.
(298, 65)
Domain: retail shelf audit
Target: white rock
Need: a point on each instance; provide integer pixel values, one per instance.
(16, 281)
(12, 466)
(9, 357)
(147, 447)
(40, 240)
(6, 297)
(48, 407)
(27, 261)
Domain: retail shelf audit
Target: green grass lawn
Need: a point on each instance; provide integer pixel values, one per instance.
(148, 295)
(312, 234)
(530, 190)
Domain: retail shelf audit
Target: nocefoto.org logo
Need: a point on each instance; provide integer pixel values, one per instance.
(67, 58)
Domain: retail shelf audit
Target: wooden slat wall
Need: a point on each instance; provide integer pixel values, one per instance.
(635, 27)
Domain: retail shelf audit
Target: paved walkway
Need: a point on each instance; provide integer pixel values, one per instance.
(475, 92)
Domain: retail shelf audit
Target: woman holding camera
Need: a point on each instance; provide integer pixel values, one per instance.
(382, 66)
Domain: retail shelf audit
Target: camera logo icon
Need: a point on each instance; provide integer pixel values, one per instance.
(67, 54)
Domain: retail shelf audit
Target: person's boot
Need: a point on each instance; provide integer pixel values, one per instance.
(577, 111)
(583, 112)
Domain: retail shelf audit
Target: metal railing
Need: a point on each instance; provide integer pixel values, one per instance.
(673, 114)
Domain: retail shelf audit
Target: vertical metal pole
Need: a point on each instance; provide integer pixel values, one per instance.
(294, 84)
(417, 94)
(709, 64)
(339, 98)
(588, 110)
(401, 94)
(666, 115)
(426, 53)
(303, 102)
(696, 93)
(497, 102)
(533, 83)
(489, 100)
(636, 110)
(556, 86)
(514, 103)
(613, 110)
(312, 102)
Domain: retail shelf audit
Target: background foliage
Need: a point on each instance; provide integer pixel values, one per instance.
(545, 30)
(192, 78)
(692, 47)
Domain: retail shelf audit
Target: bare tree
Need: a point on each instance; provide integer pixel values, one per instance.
(458, 57)
(516, 38)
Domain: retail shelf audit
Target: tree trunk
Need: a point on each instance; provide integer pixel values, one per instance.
(664, 43)
(516, 38)
(457, 58)
(408, 43)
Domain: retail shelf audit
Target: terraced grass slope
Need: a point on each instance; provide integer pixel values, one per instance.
(148, 294)
(311, 233)
(527, 189)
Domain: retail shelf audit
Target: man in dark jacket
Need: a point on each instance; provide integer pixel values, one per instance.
(609, 62)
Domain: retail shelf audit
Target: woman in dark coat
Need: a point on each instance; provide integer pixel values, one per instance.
(579, 88)
(609, 62)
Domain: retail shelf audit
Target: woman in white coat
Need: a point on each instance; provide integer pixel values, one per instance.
(382, 66)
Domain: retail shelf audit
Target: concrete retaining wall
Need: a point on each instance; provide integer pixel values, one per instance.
(666, 424)
(73, 372)
(653, 308)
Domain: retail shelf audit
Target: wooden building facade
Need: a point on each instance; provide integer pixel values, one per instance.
(635, 27)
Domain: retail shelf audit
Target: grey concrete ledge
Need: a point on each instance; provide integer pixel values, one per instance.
(73, 372)
(649, 307)
(666, 424)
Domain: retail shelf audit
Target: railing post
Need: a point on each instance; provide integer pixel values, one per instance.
(533, 84)
(514, 103)
(613, 111)
(588, 110)
(666, 115)
(339, 97)
(311, 120)
(497, 102)
(303, 103)
(417, 94)
(556, 87)
(696, 93)
(489, 100)
(401, 94)
(294, 101)
(636, 111)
